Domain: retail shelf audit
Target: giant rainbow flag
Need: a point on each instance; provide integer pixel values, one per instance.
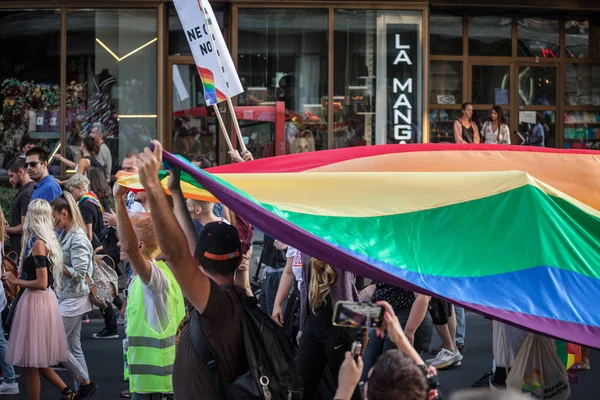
(510, 232)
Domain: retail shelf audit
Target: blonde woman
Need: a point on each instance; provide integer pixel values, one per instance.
(37, 335)
(321, 344)
(9, 385)
(73, 299)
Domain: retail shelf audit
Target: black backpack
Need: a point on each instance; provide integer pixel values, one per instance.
(271, 372)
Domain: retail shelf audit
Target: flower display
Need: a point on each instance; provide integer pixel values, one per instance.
(18, 97)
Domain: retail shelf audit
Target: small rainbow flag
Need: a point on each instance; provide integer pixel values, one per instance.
(212, 95)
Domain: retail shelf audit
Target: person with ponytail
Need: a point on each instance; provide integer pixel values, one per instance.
(37, 336)
(73, 298)
(322, 345)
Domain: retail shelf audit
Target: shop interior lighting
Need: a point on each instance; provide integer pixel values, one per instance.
(56, 149)
(119, 59)
(137, 116)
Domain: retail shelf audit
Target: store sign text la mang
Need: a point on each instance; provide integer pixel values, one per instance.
(402, 121)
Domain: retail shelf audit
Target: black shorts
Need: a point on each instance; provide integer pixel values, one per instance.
(440, 311)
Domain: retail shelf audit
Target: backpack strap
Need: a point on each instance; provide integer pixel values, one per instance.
(204, 350)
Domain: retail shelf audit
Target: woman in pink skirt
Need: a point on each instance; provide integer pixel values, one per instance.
(37, 337)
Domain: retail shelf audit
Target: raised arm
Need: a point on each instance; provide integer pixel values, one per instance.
(180, 209)
(128, 239)
(396, 334)
(171, 238)
(68, 163)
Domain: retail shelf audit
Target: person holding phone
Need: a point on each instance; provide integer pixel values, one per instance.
(398, 374)
(322, 344)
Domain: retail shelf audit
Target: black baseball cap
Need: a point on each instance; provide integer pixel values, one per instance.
(218, 241)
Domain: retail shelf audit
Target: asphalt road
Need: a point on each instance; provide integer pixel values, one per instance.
(104, 359)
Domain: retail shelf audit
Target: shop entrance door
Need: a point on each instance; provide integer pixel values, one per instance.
(537, 96)
(492, 84)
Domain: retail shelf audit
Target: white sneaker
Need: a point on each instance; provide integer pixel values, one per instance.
(445, 358)
(9, 388)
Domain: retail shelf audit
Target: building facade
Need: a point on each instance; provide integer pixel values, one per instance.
(396, 72)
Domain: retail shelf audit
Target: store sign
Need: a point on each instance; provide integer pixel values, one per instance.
(402, 73)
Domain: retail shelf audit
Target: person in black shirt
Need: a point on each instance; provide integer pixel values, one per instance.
(89, 206)
(273, 257)
(207, 279)
(19, 179)
(411, 309)
(99, 186)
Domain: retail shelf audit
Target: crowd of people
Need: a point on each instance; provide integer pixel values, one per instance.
(186, 264)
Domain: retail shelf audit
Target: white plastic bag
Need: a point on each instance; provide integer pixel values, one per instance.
(538, 370)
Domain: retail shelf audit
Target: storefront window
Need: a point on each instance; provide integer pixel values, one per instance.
(446, 35)
(490, 36)
(441, 125)
(582, 85)
(178, 44)
(537, 86)
(577, 38)
(445, 82)
(282, 56)
(29, 82)
(376, 62)
(194, 126)
(111, 76)
(582, 130)
(355, 80)
(538, 37)
(538, 128)
(491, 84)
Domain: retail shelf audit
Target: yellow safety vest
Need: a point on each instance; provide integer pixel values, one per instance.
(151, 354)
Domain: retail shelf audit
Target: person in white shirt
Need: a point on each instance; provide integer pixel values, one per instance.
(138, 245)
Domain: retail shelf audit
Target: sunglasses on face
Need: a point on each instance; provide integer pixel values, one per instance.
(31, 164)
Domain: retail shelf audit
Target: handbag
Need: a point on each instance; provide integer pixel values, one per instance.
(9, 265)
(103, 283)
(10, 315)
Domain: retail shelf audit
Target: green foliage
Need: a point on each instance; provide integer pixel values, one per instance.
(7, 193)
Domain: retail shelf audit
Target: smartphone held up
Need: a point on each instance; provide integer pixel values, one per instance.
(350, 314)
